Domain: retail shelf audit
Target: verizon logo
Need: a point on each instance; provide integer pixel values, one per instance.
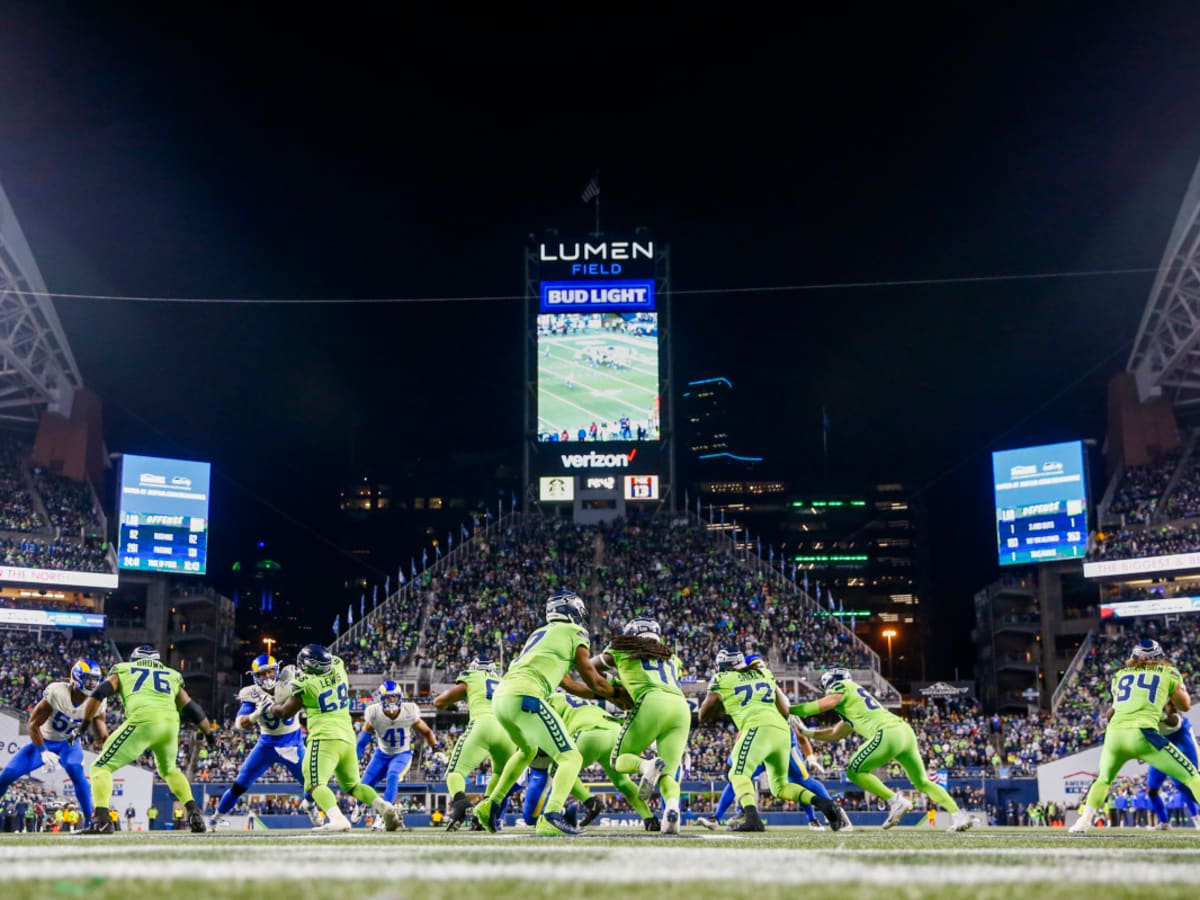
(595, 460)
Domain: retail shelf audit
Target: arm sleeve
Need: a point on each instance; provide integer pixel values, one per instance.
(804, 710)
(364, 738)
(245, 709)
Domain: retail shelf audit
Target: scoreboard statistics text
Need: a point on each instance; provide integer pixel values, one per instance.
(163, 515)
(1041, 503)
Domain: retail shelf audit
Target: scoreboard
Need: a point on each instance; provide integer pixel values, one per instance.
(163, 515)
(1041, 503)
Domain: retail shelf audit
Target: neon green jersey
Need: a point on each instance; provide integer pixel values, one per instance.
(480, 686)
(748, 697)
(864, 713)
(640, 676)
(148, 689)
(1140, 693)
(548, 655)
(579, 715)
(326, 703)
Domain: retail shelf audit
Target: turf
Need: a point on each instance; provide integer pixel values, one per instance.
(905, 862)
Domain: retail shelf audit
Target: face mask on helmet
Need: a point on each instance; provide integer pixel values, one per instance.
(730, 660)
(390, 697)
(566, 607)
(265, 672)
(86, 675)
(643, 628)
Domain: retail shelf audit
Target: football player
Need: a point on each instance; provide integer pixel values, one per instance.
(1177, 729)
(389, 721)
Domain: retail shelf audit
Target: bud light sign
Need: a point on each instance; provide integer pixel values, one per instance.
(596, 296)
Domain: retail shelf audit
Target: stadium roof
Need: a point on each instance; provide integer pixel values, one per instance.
(1166, 352)
(37, 368)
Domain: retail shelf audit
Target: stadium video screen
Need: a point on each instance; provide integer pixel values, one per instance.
(1041, 503)
(597, 375)
(163, 515)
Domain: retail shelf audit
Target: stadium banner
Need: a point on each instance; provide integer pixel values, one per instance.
(556, 489)
(131, 784)
(614, 458)
(58, 577)
(1116, 568)
(50, 618)
(1041, 503)
(1161, 606)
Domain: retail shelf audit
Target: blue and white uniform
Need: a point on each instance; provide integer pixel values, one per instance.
(280, 741)
(393, 745)
(58, 734)
(1183, 738)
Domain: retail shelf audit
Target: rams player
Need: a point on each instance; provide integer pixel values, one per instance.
(389, 720)
(53, 726)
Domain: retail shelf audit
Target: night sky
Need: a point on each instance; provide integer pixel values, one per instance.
(409, 157)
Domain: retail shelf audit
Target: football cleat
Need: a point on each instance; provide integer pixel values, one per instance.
(730, 659)
(483, 664)
(814, 825)
(833, 676)
(390, 697)
(314, 659)
(898, 806)
(844, 817)
(486, 813)
(86, 675)
(1086, 816)
(310, 809)
(671, 822)
(566, 607)
(265, 672)
(1147, 649)
(652, 823)
(961, 821)
(216, 822)
(750, 821)
(144, 651)
(570, 814)
(457, 814)
(393, 819)
(555, 825)
(832, 812)
(647, 628)
(195, 820)
(475, 824)
(98, 826)
(651, 771)
(592, 808)
(710, 824)
(377, 825)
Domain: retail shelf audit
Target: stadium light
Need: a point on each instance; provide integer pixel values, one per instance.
(270, 642)
(890, 633)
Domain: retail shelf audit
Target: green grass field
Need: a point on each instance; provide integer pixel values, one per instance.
(574, 391)
(905, 862)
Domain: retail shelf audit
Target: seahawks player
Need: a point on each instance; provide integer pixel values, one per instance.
(887, 737)
(52, 726)
(279, 740)
(1177, 729)
(759, 710)
(389, 721)
(483, 736)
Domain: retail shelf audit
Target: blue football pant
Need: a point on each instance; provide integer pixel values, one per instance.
(261, 758)
(395, 765)
(70, 756)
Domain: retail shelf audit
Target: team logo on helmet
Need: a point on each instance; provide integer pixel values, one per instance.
(390, 696)
(483, 664)
(1148, 649)
(730, 659)
(833, 676)
(86, 675)
(144, 651)
(313, 659)
(566, 607)
(265, 671)
(754, 661)
(647, 628)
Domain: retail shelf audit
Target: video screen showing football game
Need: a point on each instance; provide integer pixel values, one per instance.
(597, 376)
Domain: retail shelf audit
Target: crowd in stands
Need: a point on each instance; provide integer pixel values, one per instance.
(387, 639)
(32, 808)
(1155, 540)
(60, 553)
(1141, 487)
(70, 504)
(17, 512)
(29, 661)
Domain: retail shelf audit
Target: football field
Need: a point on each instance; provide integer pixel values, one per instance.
(905, 862)
(597, 377)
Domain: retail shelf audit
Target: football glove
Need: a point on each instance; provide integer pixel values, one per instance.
(799, 725)
(81, 733)
(210, 738)
(814, 765)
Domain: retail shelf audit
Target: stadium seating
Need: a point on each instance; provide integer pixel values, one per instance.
(28, 662)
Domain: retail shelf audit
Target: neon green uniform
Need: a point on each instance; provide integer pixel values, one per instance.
(596, 733)
(887, 737)
(148, 691)
(764, 737)
(660, 715)
(483, 736)
(521, 708)
(1139, 695)
(329, 748)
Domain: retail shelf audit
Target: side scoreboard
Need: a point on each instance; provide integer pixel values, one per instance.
(164, 515)
(1041, 503)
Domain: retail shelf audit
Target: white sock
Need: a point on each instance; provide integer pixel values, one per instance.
(380, 805)
(333, 814)
(671, 805)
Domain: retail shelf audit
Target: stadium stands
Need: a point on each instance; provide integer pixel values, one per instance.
(29, 660)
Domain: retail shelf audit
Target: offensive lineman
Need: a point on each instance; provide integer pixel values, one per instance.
(886, 737)
(53, 725)
(520, 706)
(322, 690)
(661, 715)
(759, 711)
(279, 740)
(389, 721)
(1141, 689)
(483, 736)
(155, 702)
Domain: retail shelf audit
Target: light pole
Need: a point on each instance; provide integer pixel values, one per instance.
(889, 633)
(270, 642)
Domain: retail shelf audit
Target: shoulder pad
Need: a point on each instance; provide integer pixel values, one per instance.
(464, 676)
(248, 694)
(838, 687)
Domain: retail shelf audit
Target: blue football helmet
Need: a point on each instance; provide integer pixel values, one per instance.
(86, 675)
(314, 659)
(483, 664)
(646, 628)
(390, 696)
(730, 659)
(566, 607)
(833, 676)
(265, 672)
(1148, 649)
(144, 651)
